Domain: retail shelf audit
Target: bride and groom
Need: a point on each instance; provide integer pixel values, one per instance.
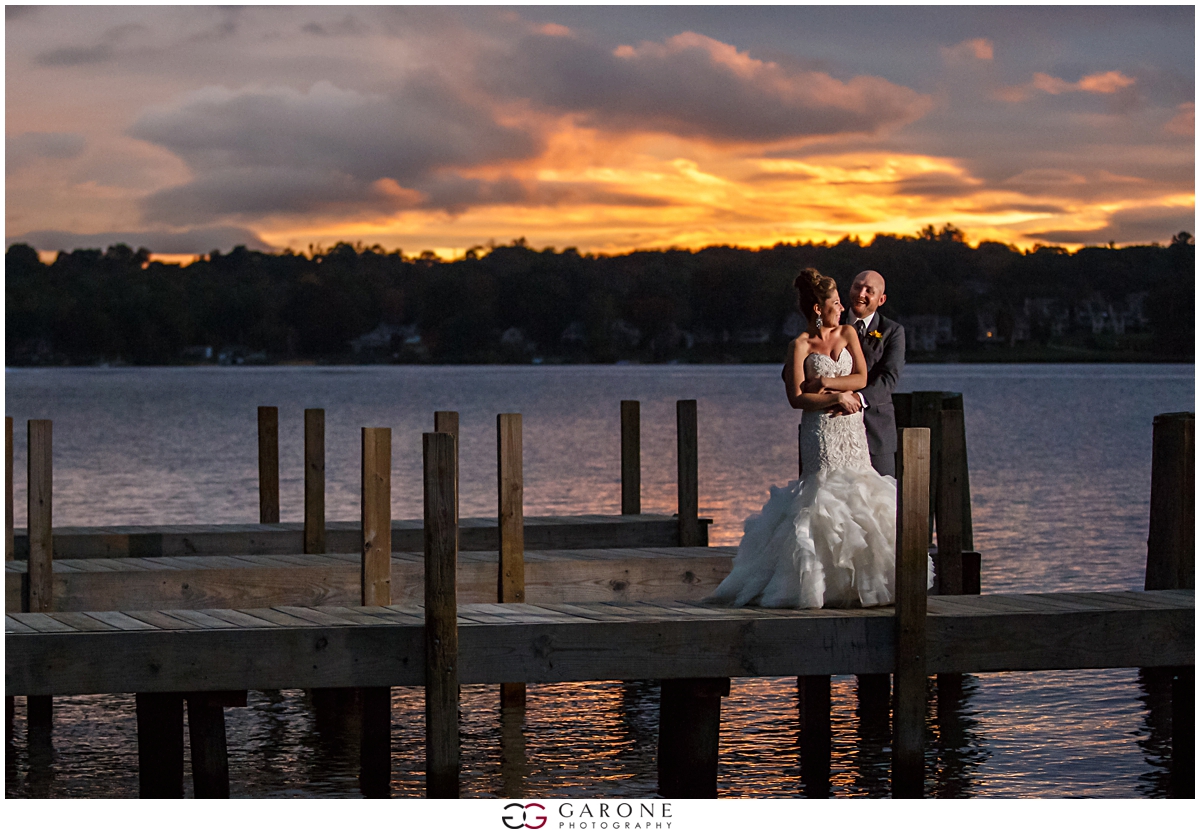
(828, 539)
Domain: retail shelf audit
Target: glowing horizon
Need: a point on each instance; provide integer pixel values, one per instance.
(190, 129)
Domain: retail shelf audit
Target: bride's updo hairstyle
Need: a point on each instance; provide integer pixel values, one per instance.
(814, 289)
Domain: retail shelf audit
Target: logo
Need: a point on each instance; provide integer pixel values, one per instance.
(530, 816)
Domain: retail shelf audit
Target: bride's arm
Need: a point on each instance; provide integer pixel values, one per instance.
(793, 377)
(857, 378)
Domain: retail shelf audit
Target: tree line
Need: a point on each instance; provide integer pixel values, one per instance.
(511, 303)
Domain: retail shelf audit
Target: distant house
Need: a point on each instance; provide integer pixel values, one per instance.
(925, 332)
(386, 336)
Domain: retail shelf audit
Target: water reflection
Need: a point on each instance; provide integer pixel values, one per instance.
(1154, 736)
(162, 446)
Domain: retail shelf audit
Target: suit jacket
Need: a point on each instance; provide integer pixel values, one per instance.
(884, 355)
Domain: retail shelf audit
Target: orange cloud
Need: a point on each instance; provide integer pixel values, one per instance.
(1101, 83)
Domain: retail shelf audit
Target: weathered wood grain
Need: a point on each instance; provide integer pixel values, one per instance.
(950, 503)
(40, 492)
(441, 617)
(314, 481)
(588, 642)
(510, 498)
(268, 464)
(688, 473)
(376, 542)
(1171, 549)
(541, 533)
(631, 458)
(912, 541)
(334, 579)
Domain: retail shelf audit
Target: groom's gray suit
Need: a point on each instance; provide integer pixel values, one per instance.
(883, 350)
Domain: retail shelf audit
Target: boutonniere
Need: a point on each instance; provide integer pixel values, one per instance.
(877, 334)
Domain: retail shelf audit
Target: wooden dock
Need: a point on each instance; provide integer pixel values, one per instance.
(264, 580)
(296, 647)
(286, 538)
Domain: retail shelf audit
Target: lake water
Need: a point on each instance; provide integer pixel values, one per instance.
(1060, 476)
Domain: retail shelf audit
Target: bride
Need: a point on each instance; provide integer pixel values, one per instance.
(828, 539)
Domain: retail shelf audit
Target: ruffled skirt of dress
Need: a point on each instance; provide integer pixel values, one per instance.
(827, 540)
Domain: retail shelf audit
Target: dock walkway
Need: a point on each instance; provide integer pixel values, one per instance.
(297, 647)
(541, 533)
(263, 580)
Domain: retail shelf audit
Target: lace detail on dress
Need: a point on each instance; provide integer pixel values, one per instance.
(832, 442)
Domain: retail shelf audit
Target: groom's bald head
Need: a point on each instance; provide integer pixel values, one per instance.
(867, 294)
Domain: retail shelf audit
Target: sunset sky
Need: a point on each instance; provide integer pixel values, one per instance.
(185, 129)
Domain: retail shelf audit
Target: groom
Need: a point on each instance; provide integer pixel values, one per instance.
(883, 349)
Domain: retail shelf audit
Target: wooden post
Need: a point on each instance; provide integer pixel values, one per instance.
(376, 516)
(9, 543)
(511, 525)
(949, 536)
(160, 744)
(971, 560)
(40, 598)
(689, 489)
(441, 617)
(1171, 547)
(1171, 564)
(912, 543)
(950, 505)
(689, 730)
(631, 458)
(314, 481)
(816, 734)
(926, 412)
(210, 756)
(268, 464)
(447, 422)
(375, 772)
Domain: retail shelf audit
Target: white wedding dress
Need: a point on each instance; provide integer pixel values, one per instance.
(828, 539)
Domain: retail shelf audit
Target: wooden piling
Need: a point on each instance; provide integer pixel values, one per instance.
(314, 481)
(912, 541)
(40, 478)
(1171, 546)
(375, 772)
(950, 505)
(447, 421)
(926, 413)
(9, 543)
(511, 527)
(268, 464)
(39, 517)
(376, 516)
(1171, 564)
(816, 733)
(441, 617)
(631, 458)
(160, 744)
(689, 729)
(949, 566)
(688, 473)
(210, 755)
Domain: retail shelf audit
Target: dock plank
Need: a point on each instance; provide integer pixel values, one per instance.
(563, 642)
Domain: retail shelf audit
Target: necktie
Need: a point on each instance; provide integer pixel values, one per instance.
(862, 329)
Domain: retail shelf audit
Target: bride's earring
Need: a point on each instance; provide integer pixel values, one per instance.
(820, 322)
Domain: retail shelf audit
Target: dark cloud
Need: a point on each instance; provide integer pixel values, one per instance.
(99, 52)
(937, 184)
(194, 241)
(12, 13)
(454, 194)
(1131, 226)
(20, 150)
(283, 151)
(695, 86)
